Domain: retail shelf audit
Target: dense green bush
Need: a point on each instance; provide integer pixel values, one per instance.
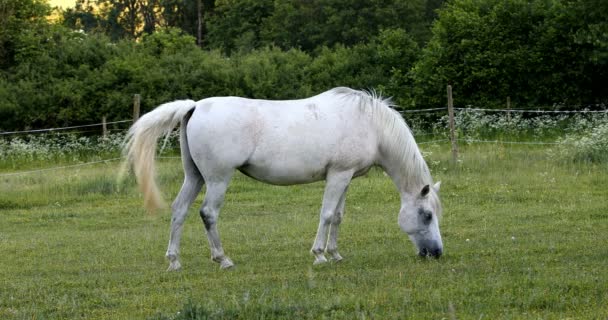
(238, 25)
(540, 53)
(77, 78)
(537, 52)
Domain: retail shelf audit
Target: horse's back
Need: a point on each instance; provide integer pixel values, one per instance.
(281, 142)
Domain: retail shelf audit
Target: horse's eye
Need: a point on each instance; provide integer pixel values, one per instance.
(426, 215)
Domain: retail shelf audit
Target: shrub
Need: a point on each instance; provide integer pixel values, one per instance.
(59, 147)
(476, 125)
(589, 146)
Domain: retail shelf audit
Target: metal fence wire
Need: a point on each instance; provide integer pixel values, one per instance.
(428, 110)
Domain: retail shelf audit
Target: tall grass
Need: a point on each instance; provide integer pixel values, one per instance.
(587, 145)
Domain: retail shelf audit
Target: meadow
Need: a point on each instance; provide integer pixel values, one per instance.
(524, 235)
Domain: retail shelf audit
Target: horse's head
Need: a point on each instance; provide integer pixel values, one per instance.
(419, 218)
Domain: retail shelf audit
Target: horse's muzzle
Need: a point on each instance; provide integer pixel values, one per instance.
(431, 250)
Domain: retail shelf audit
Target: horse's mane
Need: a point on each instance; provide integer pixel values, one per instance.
(395, 135)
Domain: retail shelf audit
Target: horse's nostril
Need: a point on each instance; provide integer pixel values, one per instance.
(436, 252)
(423, 252)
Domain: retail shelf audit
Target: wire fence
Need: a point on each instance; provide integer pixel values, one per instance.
(469, 109)
(424, 110)
(62, 128)
(467, 140)
(423, 134)
(531, 111)
(402, 111)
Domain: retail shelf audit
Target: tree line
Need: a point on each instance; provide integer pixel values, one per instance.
(88, 61)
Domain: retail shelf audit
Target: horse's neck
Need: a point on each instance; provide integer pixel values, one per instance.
(409, 173)
(399, 154)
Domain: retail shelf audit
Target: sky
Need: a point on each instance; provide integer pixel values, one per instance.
(62, 3)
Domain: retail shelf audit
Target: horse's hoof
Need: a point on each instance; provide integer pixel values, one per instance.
(336, 257)
(174, 266)
(226, 264)
(320, 259)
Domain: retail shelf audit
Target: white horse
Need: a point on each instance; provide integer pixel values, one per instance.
(336, 136)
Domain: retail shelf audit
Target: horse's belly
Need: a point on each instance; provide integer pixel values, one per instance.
(283, 174)
(302, 167)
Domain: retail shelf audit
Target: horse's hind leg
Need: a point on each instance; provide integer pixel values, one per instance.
(193, 183)
(214, 198)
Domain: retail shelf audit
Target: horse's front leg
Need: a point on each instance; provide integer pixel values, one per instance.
(334, 228)
(335, 188)
(210, 211)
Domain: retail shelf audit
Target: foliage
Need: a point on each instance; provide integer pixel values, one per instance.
(120, 19)
(59, 147)
(482, 125)
(235, 24)
(540, 53)
(81, 77)
(55, 79)
(312, 24)
(532, 51)
(19, 18)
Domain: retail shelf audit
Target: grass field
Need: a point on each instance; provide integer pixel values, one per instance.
(525, 238)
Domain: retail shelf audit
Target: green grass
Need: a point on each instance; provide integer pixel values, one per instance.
(525, 238)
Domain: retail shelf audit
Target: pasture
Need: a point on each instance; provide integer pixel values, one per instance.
(525, 238)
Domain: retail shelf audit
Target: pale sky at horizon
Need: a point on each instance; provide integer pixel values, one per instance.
(62, 3)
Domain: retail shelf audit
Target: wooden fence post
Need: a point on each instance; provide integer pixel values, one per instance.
(509, 108)
(452, 125)
(104, 127)
(136, 103)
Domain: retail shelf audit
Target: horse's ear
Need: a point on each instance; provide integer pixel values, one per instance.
(425, 191)
(437, 186)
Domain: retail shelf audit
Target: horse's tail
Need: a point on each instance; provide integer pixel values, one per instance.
(140, 146)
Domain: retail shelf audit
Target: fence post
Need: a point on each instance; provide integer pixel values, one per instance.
(452, 125)
(136, 103)
(104, 127)
(509, 108)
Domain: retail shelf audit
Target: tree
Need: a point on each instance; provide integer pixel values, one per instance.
(537, 52)
(187, 15)
(82, 17)
(132, 19)
(18, 17)
(311, 24)
(127, 18)
(236, 24)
